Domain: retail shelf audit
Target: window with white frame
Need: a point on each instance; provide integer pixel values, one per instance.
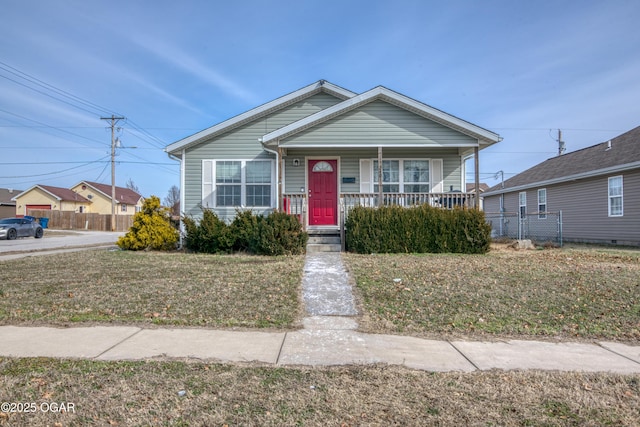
(615, 196)
(234, 183)
(402, 176)
(522, 204)
(542, 203)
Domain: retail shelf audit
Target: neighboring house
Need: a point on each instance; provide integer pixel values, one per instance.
(128, 202)
(316, 151)
(84, 197)
(481, 188)
(47, 197)
(596, 188)
(8, 206)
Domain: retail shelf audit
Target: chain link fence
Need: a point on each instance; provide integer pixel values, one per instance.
(539, 227)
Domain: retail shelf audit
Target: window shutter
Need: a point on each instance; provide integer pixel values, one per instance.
(207, 183)
(437, 184)
(365, 176)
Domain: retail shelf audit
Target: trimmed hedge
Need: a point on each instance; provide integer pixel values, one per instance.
(275, 234)
(420, 229)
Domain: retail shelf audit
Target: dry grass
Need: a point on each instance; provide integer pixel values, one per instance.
(151, 288)
(568, 293)
(148, 393)
(563, 293)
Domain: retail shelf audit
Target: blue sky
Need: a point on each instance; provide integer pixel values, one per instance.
(522, 69)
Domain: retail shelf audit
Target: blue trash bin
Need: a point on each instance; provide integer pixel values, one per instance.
(44, 222)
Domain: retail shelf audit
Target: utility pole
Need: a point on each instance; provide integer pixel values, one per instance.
(113, 120)
(561, 147)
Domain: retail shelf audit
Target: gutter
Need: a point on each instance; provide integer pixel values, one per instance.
(274, 152)
(575, 177)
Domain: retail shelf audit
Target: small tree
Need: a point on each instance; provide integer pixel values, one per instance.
(151, 229)
(172, 201)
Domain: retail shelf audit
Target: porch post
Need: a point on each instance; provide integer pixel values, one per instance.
(280, 175)
(477, 177)
(380, 175)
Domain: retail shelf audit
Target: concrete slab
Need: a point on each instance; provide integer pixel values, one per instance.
(628, 351)
(89, 342)
(330, 322)
(325, 348)
(416, 353)
(515, 355)
(326, 290)
(344, 347)
(199, 343)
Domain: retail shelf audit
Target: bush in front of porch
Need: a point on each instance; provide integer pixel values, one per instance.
(275, 234)
(420, 229)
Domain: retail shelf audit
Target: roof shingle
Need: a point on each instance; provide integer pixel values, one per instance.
(621, 150)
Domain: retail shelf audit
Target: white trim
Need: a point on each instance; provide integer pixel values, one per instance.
(382, 93)
(520, 200)
(560, 180)
(255, 113)
(242, 183)
(306, 185)
(621, 196)
(542, 214)
(388, 145)
(37, 186)
(401, 183)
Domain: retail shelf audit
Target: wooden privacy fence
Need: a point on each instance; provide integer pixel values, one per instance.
(67, 220)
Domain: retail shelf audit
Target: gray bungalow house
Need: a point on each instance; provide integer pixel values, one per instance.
(322, 149)
(596, 188)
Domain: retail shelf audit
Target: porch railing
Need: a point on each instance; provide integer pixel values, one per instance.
(296, 203)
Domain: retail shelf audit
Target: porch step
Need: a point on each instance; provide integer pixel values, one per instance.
(323, 242)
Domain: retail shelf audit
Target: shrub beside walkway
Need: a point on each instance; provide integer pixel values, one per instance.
(328, 338)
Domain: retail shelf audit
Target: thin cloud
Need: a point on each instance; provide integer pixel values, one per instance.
(181, 60)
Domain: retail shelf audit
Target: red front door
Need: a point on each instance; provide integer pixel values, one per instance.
(323, 192)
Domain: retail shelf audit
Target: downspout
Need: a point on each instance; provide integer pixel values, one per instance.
(182, 195)
(278, 183)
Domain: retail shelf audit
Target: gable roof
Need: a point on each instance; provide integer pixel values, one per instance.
(255, 113)
(617, 155)
(58, 193)
(6, 195)
(123, 195)
(485, 136)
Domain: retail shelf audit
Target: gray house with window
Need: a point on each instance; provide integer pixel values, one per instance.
(596, 188)
(322, 149)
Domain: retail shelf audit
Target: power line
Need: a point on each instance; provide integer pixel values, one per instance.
(53, 127)
(57, 172)
(47, 86)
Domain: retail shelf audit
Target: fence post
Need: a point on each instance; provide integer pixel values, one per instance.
(560, 228)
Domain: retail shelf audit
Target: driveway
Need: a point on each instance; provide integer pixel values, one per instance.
(56, 240)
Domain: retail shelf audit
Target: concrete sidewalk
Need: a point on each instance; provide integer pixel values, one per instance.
(329, 337)
(329, 341)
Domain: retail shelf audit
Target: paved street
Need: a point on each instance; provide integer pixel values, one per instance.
(55, 240)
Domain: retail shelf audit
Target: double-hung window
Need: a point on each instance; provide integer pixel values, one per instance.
(228, 183)
(237, 183)
(615, 196)
(522, 203)
(542, 203)
(402, 176)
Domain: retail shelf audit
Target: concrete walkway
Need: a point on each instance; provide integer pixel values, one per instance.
(329, 337)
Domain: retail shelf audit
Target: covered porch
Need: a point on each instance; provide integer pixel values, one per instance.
(298, 203)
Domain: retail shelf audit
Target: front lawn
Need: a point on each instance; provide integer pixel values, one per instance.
(151, 288)
(567, 293)
(155, 393)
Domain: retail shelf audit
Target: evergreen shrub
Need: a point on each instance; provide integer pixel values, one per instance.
(151, 229)
(275, 234)
(279, 234)
(420, 229)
